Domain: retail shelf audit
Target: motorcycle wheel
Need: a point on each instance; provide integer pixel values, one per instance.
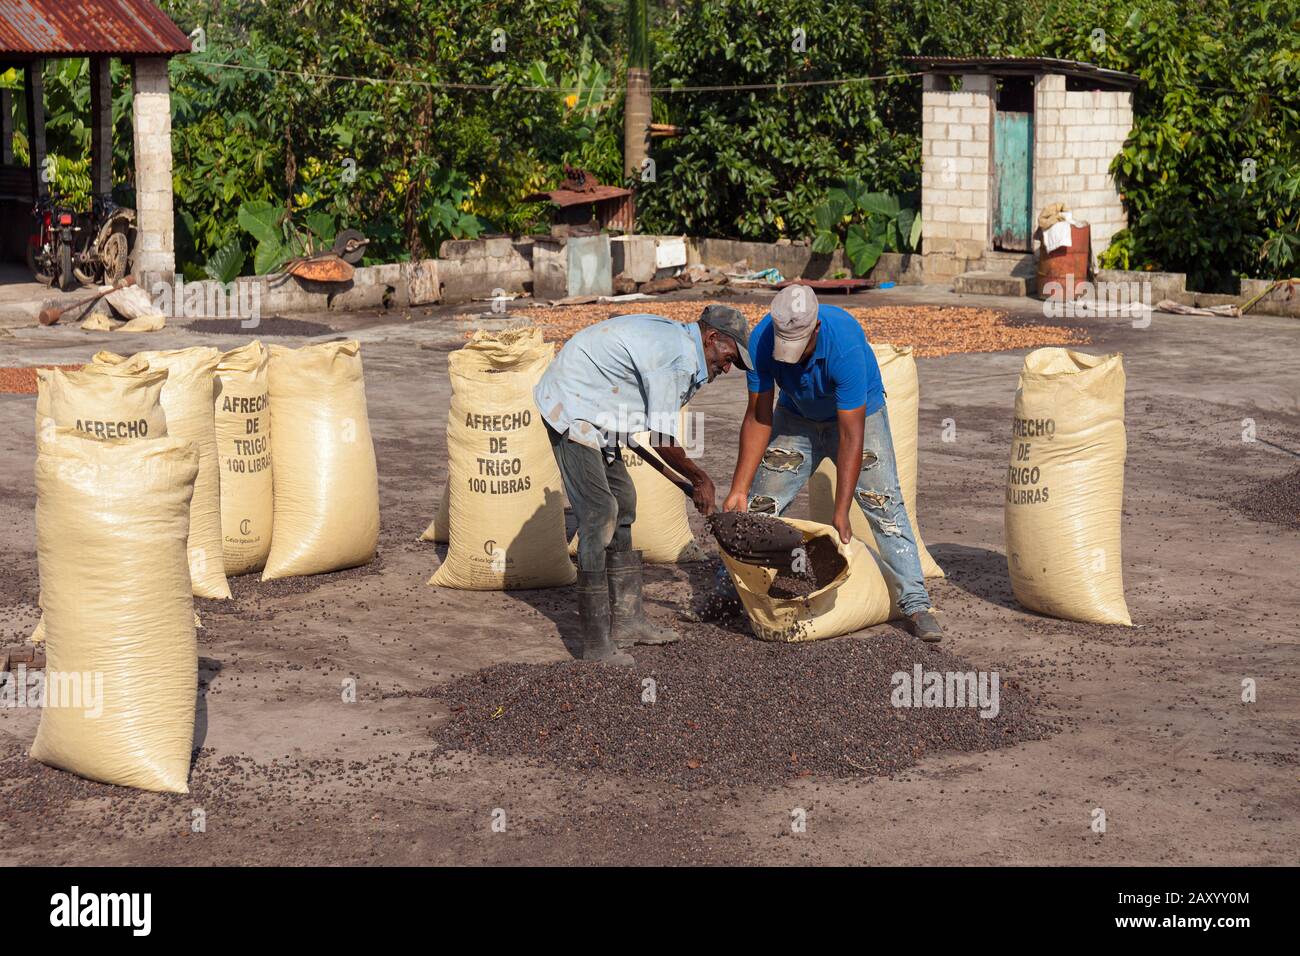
(113, 255)
(67, 281)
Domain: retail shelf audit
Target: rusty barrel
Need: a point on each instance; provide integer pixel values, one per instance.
(1068, 266)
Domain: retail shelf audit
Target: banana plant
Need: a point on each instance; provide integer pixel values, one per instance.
(869, 224)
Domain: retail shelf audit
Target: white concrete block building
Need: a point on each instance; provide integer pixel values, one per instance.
(1001, 139)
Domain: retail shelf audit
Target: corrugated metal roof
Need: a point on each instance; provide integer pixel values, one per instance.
(1021, 64)
(81, 27)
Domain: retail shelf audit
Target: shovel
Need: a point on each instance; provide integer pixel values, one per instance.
(49, 315)
(772, 547)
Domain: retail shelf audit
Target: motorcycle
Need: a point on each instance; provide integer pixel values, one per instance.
(69, 248)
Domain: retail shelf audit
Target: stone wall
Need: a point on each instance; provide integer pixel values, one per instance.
(1076, 135)
(477, 268)
(797, 260)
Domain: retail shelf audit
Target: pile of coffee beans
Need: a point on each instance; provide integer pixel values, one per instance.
(1276, 501)
(719, 708)
(273, 325)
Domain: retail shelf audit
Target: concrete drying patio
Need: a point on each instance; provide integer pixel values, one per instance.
(1156, 733)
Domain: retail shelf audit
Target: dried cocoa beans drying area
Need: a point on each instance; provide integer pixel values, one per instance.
(363, 715)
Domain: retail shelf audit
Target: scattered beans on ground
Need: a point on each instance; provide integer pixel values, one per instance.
(931, 330)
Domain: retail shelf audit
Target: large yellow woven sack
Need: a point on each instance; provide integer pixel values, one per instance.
(903, 399)
(243, 423)
(662, 529)
(323, 462)
(858, 597)
(437, 529)
(187, 402)
(506, 507)
(119, 402)
(1065, 487)
(112, 527)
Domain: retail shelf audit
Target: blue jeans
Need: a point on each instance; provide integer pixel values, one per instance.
(796, 449)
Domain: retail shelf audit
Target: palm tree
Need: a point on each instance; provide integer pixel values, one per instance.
(636, 104)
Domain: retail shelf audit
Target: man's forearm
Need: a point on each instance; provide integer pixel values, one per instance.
(848, 465)
(754, 436)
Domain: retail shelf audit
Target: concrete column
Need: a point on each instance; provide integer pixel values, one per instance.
(155, 256)
(982, 90)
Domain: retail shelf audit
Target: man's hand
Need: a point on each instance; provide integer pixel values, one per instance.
(702, 491)
(843, 525)
(736, 501)
(704, 495)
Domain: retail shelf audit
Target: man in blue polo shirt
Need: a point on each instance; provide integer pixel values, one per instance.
(832, 405)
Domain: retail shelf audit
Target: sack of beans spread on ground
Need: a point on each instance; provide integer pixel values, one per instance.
(437, 530)
(1065, 487)
(903, 400)
(187, 402)
(829, 589)
(121, 662)
(326, 502)
(118, 402)
(662, 530)
(505, 499)
(243, 424)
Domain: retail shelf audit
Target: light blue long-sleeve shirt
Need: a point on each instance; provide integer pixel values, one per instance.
(628, 374)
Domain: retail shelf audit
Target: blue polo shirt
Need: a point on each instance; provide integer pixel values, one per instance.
(842, 374)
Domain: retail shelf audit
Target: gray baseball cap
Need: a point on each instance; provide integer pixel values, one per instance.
(794, 319)
(731, 323)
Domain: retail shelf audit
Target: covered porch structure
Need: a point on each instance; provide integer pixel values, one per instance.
(137, 33)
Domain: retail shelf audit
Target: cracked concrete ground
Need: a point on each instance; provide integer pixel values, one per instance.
(1156, 733)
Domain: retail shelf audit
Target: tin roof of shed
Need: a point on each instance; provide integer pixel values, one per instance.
(84, 27)
(1018, 65)
(571, 197)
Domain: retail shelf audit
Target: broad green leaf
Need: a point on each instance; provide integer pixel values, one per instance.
(862, 251)
(849, 193)
(226, 263)
(904, 224)
(829, 216)
(261, 221)
(825, 242)
(322, 226)
(269, 257)
(881, 203)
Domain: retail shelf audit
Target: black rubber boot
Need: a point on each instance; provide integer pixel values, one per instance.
(593, 620)
(629, 625)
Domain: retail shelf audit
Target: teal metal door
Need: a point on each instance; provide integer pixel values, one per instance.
(1013, 181)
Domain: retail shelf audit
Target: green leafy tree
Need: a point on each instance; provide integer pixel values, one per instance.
(1206, 174)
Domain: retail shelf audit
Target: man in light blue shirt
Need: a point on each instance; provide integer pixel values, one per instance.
(611, 381)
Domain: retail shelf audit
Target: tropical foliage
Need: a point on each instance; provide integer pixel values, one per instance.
(482, 103)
